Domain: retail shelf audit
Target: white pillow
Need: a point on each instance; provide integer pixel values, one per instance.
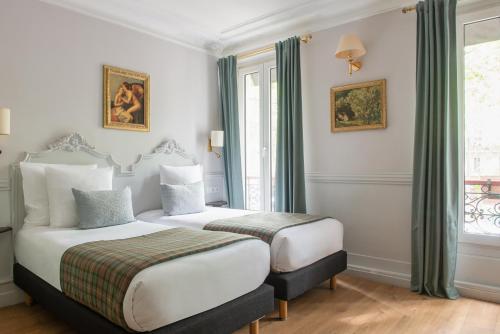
(36, 200)
(62, 205)
(176, 175)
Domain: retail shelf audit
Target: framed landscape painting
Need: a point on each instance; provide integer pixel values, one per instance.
(359, 106)
(126, 99)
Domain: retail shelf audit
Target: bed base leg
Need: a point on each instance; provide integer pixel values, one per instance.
(254, 327)
(28, 300)
(283, 309)
(333, 283)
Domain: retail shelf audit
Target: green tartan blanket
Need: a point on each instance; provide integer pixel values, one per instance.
(98, 274)
(263, 225)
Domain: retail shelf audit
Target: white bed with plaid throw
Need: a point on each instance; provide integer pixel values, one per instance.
(292, 247)
(165, 292)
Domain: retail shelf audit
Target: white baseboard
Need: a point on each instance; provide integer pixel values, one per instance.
(379, 269)
(466, 289)
(479, 291)
(378, 275)
(10, 294)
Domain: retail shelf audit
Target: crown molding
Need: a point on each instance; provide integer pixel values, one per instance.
(313, 16)
(197, 41)
(306, 17)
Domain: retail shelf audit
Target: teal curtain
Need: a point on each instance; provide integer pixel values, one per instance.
(290, 184)
(228, 101)
(435, 164)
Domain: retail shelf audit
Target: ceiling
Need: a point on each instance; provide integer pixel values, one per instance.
(221, 26)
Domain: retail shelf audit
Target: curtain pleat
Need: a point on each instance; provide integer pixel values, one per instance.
(228, 100)
(435, 164)
(290, 183)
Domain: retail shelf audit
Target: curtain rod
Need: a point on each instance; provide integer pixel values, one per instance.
(408, 9)
(268, 48)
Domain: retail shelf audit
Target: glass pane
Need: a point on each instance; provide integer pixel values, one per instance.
(252, 142)
(482, 128)
(274, 127)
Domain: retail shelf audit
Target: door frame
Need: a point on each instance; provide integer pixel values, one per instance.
(264, 71)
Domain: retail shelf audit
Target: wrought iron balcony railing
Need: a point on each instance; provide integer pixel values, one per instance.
(482, 206)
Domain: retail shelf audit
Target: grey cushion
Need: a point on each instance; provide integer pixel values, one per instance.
(182, 199)
(103, 208)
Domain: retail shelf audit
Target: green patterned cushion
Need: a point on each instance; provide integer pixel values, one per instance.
(104, 208)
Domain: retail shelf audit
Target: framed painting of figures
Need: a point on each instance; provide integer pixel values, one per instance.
(359, 106)
(126, 99)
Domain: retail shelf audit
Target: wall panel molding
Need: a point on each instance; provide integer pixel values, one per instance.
(394, 178)
(4, 184)
(215, 174)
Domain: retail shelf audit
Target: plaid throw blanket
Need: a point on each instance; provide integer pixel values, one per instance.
(98, 274)
(263, 225)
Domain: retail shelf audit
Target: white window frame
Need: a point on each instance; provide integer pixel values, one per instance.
(462, 20)
(264, 70)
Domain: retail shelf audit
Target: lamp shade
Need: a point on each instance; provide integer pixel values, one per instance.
(217, 138)
(4, 121)
(350, 46)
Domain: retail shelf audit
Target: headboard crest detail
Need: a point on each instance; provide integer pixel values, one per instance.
(168, 147)
(71, 143)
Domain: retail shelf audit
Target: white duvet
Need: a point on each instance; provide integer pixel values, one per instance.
(291, 249)
(161, 294)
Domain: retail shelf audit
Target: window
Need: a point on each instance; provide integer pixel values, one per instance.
(479, 41)
(258, 111)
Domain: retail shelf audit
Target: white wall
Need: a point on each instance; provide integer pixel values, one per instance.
(51, 77)
(364, 178)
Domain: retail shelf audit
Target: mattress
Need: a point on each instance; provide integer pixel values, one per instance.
(291, 249)
(161, 294)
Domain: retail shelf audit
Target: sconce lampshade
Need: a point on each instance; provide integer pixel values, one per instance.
(350, 46)
(4, 121)
(217, 138)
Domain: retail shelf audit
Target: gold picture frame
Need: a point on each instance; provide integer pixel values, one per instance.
(360, 106)
(126, 99)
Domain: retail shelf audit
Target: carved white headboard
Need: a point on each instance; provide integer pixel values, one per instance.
(142, 176)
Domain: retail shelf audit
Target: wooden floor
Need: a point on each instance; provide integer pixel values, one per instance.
(357, 306)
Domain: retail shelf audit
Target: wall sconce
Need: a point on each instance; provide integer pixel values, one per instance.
(216, 139)
(4, 122)
(351, 48)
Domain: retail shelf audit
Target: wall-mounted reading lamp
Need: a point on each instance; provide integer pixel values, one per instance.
(216, 139)
(351, 48)
(4, 122)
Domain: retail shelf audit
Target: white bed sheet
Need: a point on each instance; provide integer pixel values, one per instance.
(161, 294)
(291, 249)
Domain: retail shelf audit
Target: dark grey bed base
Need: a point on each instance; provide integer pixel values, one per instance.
(290, 285)
(223, 319)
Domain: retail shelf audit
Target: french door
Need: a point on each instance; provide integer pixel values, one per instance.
(258, 119)
(479, 49)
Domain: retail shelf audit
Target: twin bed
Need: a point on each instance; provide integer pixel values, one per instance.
(301, 256)
(214, 290)
(164, 293)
